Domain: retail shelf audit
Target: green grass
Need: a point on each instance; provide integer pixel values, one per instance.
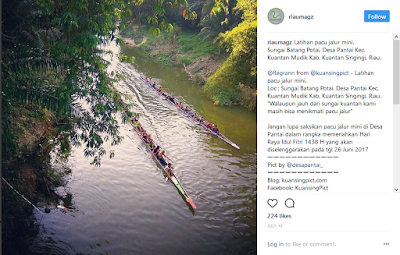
(184, 60)
(137, 35)
(165, 59)
(189, 46)
(144, 47)
(186, 48)
(197, 45)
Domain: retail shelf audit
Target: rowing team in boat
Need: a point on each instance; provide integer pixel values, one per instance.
(155, 149)
(209, 126)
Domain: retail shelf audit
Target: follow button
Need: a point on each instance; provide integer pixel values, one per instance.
(376, 16)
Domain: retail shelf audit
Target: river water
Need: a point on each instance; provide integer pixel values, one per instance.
(126, 207)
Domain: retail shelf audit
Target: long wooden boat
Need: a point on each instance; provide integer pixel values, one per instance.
(174, 179)
(219, 135)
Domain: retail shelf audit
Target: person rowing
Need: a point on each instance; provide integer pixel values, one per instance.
(144, 135)
(180, 105)
(201, 120)
(160, 158)
(133, 120)
(188, 111)
(149, 141)
(196, 117)
(155, 150)
(172, 99)
(160, 90)
(169, 169)
(136, 124)
(163, 93)
(209, 125)
(215, 129)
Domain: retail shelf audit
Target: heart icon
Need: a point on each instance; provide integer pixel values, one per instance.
(272, 202)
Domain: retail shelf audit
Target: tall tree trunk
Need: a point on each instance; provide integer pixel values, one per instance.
(137, 11)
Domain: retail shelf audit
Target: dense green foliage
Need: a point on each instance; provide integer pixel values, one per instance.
(241, 65)
(181, 12)
(52, 57)
(218, 16)
(158, 13)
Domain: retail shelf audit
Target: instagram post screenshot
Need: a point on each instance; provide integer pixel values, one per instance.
(328, 128)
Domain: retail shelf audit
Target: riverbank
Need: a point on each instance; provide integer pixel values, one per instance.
(198, 57)
(224, 79)
(29, 172)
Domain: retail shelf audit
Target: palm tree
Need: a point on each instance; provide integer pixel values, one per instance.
(217, 17)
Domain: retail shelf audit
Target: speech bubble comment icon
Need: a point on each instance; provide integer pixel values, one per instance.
(272, 202)
(289, 203)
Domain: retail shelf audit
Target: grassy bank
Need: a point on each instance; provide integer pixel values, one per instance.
(222, 74)
(28, 170)
(200, 58)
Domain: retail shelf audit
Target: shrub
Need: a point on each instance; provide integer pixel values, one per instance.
(248, 97)
(200, 48)
(165, 59)
(223, 86)
(184, 60)
(197, 78)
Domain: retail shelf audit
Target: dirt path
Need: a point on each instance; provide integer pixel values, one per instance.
(131, 43)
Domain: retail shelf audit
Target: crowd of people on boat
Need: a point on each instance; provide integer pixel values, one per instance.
(147, 139)
(155, 149)
(208, 125)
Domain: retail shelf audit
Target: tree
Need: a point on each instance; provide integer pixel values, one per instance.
(137, 4)
(158, 17)
(218, 16)
(241, 65)
(53, 57)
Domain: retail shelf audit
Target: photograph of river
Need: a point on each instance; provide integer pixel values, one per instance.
(56, 201)
(125, 207)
